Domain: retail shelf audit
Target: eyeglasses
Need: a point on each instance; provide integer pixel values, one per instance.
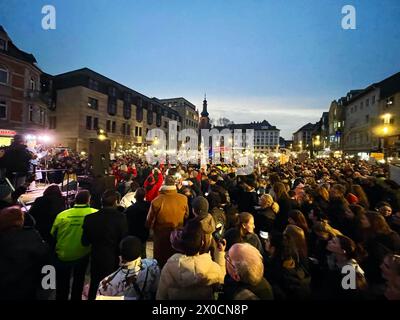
(228, 259)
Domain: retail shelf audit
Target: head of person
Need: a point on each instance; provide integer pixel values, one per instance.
(342, 246)
(130, 249)
(11, 218)
(214, 199)
(377, 222)
(140, 194)
(244, 263)
(296, 217)
(324, 231)
(170, 181)
(18, 139)
(337, 191)
(390, 267)
(266, 201)
(280, 190)
(246, 223)
(52, 190)
(110, 198)
(384, 209)
(296, 234)
(82, 197)
(200, 206)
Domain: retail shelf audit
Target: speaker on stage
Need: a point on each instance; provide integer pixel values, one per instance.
(99, 156)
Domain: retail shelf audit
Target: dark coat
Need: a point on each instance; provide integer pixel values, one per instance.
(44, 210)
(23, 254)
(247, 201)
(234, 290)
(264, 220)
(232, 236)
(136, 216)
(104, 230)
(281, 220)
(16, 159)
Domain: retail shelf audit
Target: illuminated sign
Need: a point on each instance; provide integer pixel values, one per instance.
(8, 133)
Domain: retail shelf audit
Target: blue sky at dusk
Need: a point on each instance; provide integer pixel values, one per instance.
(283, 61)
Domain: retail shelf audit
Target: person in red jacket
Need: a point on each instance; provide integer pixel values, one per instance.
(153, 184)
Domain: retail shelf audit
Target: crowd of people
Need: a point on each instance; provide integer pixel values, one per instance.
(283, 232)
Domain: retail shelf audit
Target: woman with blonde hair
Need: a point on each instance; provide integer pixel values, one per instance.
(265, 216)
(285, 205)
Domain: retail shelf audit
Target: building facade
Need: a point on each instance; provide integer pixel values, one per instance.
(187, 111)
(302, 138)
(23, 102)
(361, 118)
(266, 136)
(86, 101)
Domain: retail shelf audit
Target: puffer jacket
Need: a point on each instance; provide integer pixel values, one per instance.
(191, 277)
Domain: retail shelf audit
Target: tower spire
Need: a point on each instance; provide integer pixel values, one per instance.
(204, 113)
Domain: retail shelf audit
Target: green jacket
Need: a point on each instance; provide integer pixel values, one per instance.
(67, 230)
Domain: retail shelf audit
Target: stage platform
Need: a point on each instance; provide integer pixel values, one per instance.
(30, 196)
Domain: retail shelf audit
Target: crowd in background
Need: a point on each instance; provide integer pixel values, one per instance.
(284, 232)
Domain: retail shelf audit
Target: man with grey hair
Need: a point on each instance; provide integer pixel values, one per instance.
(244, 279)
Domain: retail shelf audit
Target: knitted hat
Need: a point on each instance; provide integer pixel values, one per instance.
(200, 206)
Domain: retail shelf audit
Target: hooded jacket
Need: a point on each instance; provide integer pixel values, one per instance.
(191, 277)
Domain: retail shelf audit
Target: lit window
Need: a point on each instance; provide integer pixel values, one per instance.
(3, 109)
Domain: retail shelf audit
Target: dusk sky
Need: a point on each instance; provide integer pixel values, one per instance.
(283, 61)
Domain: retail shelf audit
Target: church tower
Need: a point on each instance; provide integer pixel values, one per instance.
(204, 119)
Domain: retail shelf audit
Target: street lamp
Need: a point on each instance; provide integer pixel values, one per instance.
(101, 135)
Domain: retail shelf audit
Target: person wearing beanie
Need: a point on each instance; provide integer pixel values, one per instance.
(136, 278)
(190, 275)
(167, 212)
(23, 253)
(200, 210)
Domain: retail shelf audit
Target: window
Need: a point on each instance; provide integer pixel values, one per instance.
(3, 75)
(150, 115)
(166, 124)
(136, 131)
(31, 113)
(93, 103)
(112, 107)
(127, 110)
(367, 103)
(93, 84)
(367, 118)
(3, 44)
(112, 91)
(391, 120)
(114, 127)
(52, 122)
(95, 123)
(123, 129)
(108, 125)
(140, 131)
(3, 109)
(373, 99)
(88, 122)
(128, 129)
(32, 84)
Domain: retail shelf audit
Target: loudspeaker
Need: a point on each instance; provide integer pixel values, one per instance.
(99, 156)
